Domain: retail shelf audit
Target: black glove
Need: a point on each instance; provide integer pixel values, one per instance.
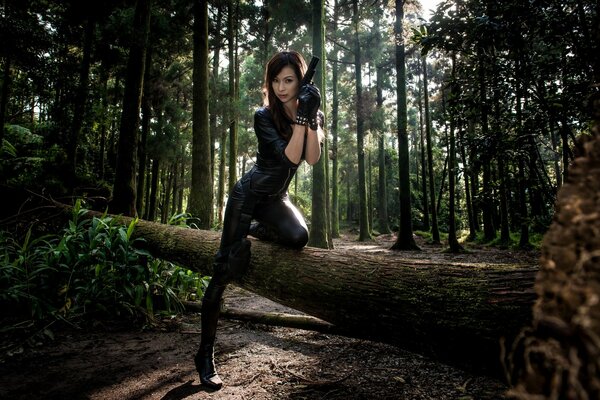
(309, 100)
(239, 258)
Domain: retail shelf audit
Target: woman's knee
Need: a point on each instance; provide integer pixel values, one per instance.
(296, 238)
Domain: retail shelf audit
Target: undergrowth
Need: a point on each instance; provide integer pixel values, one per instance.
(92, 270)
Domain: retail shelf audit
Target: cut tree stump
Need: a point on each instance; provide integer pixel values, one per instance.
(455, 313)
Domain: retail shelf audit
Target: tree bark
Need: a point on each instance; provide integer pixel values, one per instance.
(405, 239)
(364, 228)
(489, 230)
(426, 225)
(335, 205)
(558, 356)
(435, 232)
(233, 100)
(453, 244)
(319, 235)
(382, 197)
(200, 204)
(145, 129)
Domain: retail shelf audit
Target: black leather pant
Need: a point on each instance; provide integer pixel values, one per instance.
(279, 214)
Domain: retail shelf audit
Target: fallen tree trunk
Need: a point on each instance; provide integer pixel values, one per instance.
(453, 312)
(306, 322)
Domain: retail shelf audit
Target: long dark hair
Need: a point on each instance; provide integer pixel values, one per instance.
(274, 66)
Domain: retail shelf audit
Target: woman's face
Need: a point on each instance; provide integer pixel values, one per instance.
(285, 85)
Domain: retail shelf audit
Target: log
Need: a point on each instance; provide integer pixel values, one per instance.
(286, 320)
(457, 313)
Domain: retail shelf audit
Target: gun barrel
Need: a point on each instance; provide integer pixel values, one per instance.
(310, 72)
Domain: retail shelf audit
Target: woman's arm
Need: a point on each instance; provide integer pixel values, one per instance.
(295, 146)
(313, 145)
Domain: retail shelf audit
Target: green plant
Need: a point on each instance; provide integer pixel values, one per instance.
(94, 268)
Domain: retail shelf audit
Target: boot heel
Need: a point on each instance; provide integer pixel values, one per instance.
(205, 365)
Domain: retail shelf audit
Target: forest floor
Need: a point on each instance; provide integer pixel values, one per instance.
(255, 361)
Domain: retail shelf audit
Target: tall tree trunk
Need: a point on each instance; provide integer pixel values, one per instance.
(200, 204)
(148, 186)
(467, 175)
(319, 215)
(104, 118)
(80, 100)
(214, 112)
(168, 190)
(405, 239)
(500, 160)
(175, 194)
(556, 152)
(141, 153)
(382, 206)
(453, 244)
(111, 149)
(222, 176)
(489, 231)
(154, 189)
(267, 32)
(124, 188)
(335, 202)
(474, 172)
(233, 103)
(364, 228)
(424, 197)
(435, 231)
(522, 180)
(370, 187)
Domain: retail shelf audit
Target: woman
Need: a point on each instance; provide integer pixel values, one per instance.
(289, 129)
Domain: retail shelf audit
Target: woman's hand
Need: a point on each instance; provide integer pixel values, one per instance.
(309, 101)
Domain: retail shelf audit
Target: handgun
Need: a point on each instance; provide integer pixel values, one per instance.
(310, 71)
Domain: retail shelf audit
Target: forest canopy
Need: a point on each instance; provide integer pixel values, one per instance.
(99, 101)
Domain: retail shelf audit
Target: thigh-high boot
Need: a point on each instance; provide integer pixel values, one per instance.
(211, 308)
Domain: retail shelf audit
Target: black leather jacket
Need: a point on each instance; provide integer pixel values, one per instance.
(273, 171)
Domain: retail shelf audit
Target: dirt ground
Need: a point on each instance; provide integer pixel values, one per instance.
(255, 361)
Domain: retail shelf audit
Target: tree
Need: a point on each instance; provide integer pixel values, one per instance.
(453, 244)
(142, 148)
(233, 97)
(201, 191)
(319, 234)
(214, 112)
(424, 192)
(364, 228)
(405, 239)
(124, 191)
(335, 208)
(81, 96)
(435, 230)
(379, 123)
